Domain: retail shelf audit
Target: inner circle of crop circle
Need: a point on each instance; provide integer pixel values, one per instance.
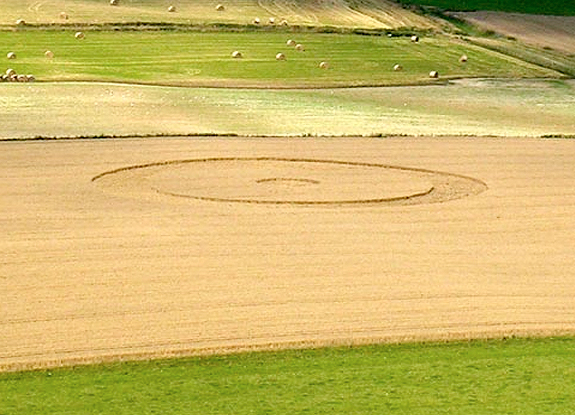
(288, 181)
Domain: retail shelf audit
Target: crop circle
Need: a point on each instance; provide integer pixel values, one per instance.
(288, 181)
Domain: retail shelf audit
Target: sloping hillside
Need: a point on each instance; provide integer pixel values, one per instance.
(381, 14)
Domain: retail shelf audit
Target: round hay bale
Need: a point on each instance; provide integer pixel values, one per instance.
(20, 22)
(257, 20)
(398, 68)
(434, 74)
(49, 54)
(114, 2)
(237, 54)
(4, 78)
(299, 47)
(463, 58)
(415, 38)
(10, 72)
(280, 57)
(21, 78)
(31, 78)
(14, 78)
(11, 55)
(324, 65)
(220, 8)
(63, 15)
(272, 20)
(284, 22)
(172, 9)
(80, 35)
(291, 42)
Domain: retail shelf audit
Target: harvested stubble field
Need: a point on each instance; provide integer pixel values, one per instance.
(358, 13)
(120, 249)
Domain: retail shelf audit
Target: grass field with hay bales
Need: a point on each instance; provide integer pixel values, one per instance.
(516, 376)
(205, 59)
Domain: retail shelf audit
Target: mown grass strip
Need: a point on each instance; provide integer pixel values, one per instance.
(513, 376)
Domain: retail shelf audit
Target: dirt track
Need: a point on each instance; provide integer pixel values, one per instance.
(94, 271)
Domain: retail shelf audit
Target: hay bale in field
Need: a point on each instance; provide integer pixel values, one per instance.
(63, 15)
(11, 55)
(80, 35)
(31, 78)
(4, 78)
(280, 57)
(14, 78)
(257, 20)
(284, 22)
(220, 8)
(172, 9)
(49, 54)
(434, 74)
(415, 38)
(272, 20)
(463, 58)
(398, 68)
(114, 2)
(324, 65)
(299, 47)
(20, 22)
(10, 72)
(237, 54)
(21, 78)
(291, 42)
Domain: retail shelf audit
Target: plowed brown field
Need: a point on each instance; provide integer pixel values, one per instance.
(156, 247)
(557, 32)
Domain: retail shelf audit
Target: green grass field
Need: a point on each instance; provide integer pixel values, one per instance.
(200, 59)
(557, 7)
(515, 376)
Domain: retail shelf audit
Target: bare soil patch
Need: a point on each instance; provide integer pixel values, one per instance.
(556, 32)
(90, 275)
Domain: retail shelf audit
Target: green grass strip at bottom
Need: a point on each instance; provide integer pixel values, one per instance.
(527, 376)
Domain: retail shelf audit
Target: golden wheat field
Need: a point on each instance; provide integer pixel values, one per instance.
(135, 248)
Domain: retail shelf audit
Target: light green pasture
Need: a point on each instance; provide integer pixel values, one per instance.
(204, 59)
(467, 107)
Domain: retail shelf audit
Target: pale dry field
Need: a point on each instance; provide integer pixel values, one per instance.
(359, 13)
(464, 107)
(556, 32)
(210, 245)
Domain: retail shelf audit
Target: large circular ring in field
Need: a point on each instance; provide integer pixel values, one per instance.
(289, 181)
